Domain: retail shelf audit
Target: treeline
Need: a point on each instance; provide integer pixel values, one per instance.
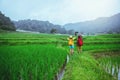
(6, 23)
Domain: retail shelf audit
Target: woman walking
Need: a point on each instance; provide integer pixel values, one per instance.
(79, 43)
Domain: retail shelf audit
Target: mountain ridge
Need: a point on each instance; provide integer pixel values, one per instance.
(102, 24)
(39, 26)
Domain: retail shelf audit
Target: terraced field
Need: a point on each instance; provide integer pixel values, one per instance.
(28, 56)
(25, 56)
(98, 61)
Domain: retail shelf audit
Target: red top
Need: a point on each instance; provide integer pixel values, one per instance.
(79, 41)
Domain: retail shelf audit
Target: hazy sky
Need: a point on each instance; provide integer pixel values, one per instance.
(59, 11)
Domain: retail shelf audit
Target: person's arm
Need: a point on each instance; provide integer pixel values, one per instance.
(74, 38)
(67, 38)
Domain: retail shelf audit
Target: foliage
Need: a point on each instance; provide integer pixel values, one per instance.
(81, 66)
(53, 30)
(5, 23)
(85, 67)
(30, 62)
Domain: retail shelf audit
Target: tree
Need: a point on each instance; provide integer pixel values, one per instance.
(53, 30)
(109, 32)
(76, 33)
(70, 31)
(6, 23)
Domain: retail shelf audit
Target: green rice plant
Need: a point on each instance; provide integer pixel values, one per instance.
(43, 60)
(30, 38)
(111, 65)
(31, 62)
(84, 67)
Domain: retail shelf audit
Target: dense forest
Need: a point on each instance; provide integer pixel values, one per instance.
(6, 23)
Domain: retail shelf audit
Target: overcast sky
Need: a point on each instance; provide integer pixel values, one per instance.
(59, 11)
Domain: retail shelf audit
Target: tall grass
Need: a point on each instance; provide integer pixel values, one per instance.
(42, 62)
(30, 38)
(84, 67)
(111, 65)
(30, 62)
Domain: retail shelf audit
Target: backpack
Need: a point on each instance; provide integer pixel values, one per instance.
(70, 42)
(79, 42)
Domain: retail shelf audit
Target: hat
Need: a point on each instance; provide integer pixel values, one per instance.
(70, 36)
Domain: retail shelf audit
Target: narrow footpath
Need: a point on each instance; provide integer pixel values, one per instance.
(83, 66)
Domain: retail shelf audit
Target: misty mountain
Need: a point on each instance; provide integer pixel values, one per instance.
(39, 26)
(6, 23)
(102, 25)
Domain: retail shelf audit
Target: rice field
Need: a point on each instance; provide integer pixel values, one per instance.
(111, 64)
(29, 38)
(96, 48)
(30, 62)
(28, 56)
(107, 52)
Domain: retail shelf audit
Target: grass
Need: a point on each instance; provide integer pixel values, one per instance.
(111, 64)
(30, 62)
(84, 67)
(42, 55)
(30, 38)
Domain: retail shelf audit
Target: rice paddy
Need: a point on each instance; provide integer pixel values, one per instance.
(93, 63)
(28, 56)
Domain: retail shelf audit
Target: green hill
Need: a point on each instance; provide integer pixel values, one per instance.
(6, 23)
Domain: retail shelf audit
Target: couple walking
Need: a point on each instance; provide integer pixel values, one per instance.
(79, 43)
